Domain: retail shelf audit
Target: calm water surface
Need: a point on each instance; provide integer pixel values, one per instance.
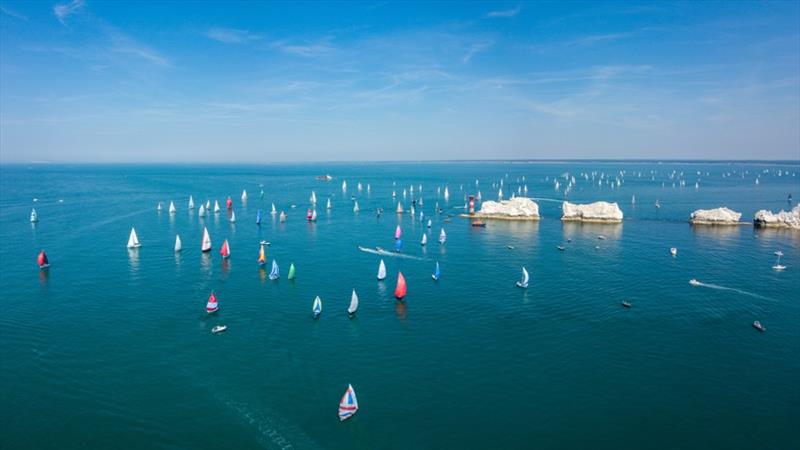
(113, 349)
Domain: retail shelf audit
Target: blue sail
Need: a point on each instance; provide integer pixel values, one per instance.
(274, 274)
(397, 244)
(436, 273)
(258, 217)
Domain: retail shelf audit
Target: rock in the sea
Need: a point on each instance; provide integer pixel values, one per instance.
(716, 216)
(518, 208)
(593, 212)
(782, 219)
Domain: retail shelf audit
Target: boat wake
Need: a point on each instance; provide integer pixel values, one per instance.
(724, 288)
(388, 253)
(554, 200)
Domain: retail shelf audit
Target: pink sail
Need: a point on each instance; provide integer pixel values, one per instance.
(400, 290)
(397, 232)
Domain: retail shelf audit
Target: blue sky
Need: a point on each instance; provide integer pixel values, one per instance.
(91, 81)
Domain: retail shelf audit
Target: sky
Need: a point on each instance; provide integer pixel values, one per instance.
(173, 81)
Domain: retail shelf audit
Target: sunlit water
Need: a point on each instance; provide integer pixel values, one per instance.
(112, 348)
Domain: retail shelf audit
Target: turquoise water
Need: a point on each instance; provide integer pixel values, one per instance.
(113, 349)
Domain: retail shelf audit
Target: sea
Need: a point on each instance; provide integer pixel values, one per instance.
(112, 348)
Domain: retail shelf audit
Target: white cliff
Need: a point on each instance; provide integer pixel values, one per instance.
(518, 208)
(592, 212)
(716, 216)
(782, 219)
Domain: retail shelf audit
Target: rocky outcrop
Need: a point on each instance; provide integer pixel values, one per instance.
(518, 208)
(601, 212)
(716, 216)
(782, 219)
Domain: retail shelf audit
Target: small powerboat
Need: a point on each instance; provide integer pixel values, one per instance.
(561, 247)
(673, 251)
(219, 329)
(478, 223)
(626, 304)
(694, 282)
(757, 325)
(601, 237)
(510, 247)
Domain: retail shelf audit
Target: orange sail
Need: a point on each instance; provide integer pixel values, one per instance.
(400, 290)
(262, 257)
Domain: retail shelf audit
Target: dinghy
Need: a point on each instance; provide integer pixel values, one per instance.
(274, 274)
(778, 266)
(442, 236)
(348, 405)
(34, 216)
(424, 239)
(316, 308)
(233, 216)
(178, 245)
(172, 209)
(401, 289)
(191, 202)
(381, 271)
(273, 211)
(225, 251)
(244, 195)
(219, 329)
(212, 305)
(216, 207)
(206, 245)
(436, 272)
(328, 206)
(42, 260)
(202, 211)
(524, 282)
(673, 251)
(291, 272)
(258, 217)
(262, 254)
(133, 240)
(351, 310)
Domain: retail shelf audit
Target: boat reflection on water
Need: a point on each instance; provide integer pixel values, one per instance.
(262, 274)
(225, 266)
(205, 263)
(133, 260)
(400, 309)
(591, 230)
(722, 234)
(43, 276)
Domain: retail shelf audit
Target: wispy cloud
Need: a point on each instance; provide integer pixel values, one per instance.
(476, 48)
(64, 10)
(306, 49)
(599, 38)
(232, 35)
(13, 14)
(504, 13)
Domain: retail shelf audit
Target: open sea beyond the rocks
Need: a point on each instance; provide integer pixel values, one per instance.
(112, 349)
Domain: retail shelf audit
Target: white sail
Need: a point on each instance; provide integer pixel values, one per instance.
(273, 211)
(359, 186)
(202, 211)
(314, 215)
(206, 245)
(429, 223)
(133, 240)
(442, 236)
(34, 216)
(524, 282)
(233, 216)
(500, 193)
(382, 271)
(329, 204)
(208, 205)
(424, 239)
(412, 211)
(216, 207)
(446, 194)
(159, 207)
(316, 308)
(353, 303)
(178, 245)
(399, 208)
(191, 202)
(355, 207)
(282, 217)
(313, 198)
(172, 209)
(344, 185)
(244, 195)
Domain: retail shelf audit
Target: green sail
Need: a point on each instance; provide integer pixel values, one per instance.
(291, 272)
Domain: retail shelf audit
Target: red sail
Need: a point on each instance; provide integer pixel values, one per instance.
(229, 203)
(400, 290)
(212, 306)
(224, 251)
(42, 259)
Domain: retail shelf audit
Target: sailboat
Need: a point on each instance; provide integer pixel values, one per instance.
(258, 217)
(442, 236)
(34, 216)
(398, 244)
(446, 194)
(412, 212)
(424, 239)
(212, 305)
(429, 223)
(316, 308)
(273, 211)
(397, 232)
(421, 217)
(233, 216)
(344, 185)
(313, 198)
(159, 207)
(355, 207)
(314, 215)
(216, 207)
(178, 245)
(778, 265)
(206, 245)
(208, 205)
(291, 272)
(225, 250)
(262, 254)
(133, 240)
(348, 405)
(274, 274)
(436, 272)
(524, 282)
(351, 310)
(328, 206)
(401, 290)
(202, 211)
(673, 251)
(399, 207)
(229, 203)
(191, 202)
(282, 217)
(42, 260)
(381, 271)
(244, 195)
